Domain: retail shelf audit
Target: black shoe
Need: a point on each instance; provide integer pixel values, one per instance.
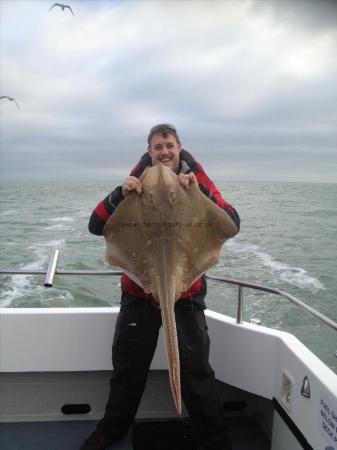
(97, 441)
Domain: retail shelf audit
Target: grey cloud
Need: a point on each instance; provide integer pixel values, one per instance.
(87, 107)
(317, 16)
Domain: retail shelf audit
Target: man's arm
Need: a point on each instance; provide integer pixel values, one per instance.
(208, 188)
(103, 211)
(106, 207)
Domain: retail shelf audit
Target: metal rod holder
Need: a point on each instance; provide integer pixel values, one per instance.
(48, 282)
(239, 318)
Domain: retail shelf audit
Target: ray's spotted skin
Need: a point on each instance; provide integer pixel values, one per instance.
(166, 235)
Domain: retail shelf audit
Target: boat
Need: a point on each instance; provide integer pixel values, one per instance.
(55, 364)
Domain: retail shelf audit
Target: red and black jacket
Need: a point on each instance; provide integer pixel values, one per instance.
(106, 207)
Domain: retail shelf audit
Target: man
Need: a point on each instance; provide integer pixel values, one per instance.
(133, 347)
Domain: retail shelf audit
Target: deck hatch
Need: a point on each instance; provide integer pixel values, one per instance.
(76, 408)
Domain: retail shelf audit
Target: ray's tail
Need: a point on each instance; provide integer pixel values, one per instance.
(172, 349)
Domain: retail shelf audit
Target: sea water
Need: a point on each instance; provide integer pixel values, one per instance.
(288, 240)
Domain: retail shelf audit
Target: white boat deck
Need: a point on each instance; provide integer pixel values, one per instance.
(56, 357)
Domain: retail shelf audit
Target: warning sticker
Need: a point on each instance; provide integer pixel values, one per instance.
(328, 420)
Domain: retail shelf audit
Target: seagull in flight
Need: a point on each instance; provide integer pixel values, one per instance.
(10, 99)
(62, 7)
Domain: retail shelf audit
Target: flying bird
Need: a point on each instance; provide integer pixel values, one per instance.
(10, 99)
(62, 7)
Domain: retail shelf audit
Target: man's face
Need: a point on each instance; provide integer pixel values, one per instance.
(165, 150)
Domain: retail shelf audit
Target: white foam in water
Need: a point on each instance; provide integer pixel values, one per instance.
(57, 243)
(62, 225)
(293, 275)
(58, 227)
(62, 219)
(21, 285)
(8, 212)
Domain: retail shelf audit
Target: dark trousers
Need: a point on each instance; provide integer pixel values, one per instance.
(134, 345)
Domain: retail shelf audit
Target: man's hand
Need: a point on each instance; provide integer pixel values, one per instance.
(131, 184)
(185, 179)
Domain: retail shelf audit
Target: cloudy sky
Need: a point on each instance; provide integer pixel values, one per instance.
(250, 85)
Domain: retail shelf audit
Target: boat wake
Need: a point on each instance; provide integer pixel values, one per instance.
(295, 276)
(63, 224)
(20, 287)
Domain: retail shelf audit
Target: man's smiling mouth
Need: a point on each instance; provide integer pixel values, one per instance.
(165, 159)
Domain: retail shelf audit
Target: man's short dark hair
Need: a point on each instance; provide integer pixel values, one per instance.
(164, 129)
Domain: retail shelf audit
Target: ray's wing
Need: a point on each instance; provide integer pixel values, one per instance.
(127, 237)
(209, 227)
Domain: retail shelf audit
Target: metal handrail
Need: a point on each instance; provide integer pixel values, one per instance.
(292, 298)
(52, 271)
(60, 272)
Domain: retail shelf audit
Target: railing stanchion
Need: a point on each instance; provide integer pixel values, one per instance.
(239, 318)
